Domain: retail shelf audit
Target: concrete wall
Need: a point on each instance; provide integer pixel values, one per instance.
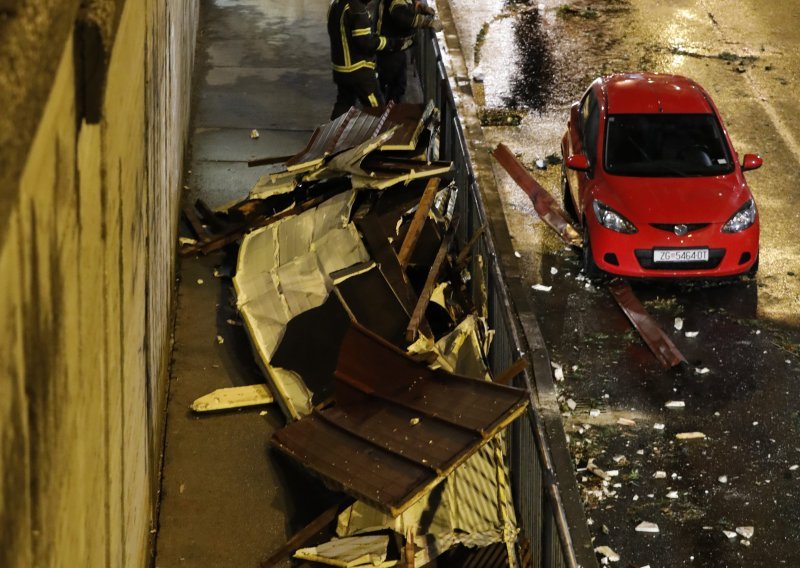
(86, 298)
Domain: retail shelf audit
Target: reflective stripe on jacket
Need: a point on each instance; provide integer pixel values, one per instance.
(353, 41)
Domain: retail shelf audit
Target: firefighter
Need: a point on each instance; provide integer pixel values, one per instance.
(395, 19)
(354, 45)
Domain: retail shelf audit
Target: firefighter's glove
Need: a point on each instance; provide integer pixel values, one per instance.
(423, 8)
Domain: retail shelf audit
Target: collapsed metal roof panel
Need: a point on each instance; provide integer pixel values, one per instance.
(357, 126)
(397, 428)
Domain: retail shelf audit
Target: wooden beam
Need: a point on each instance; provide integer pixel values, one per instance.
(415, 230)
(427, 290)
(462, 256)
(197, 225)
(515, 369)
(302, 536)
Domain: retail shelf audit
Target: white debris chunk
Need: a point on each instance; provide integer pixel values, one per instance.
(626, 422)
(233, 397)
(672, 495)
(746, 532)
(690, 436)
(678, 324)
(701, 370)
(540, 164)
(254, 134)
(517, 254)
(691, 334)
(606, 552)
(619, 459)
(187, 241)
(571, 404)
(558, 371)
(553, 270)
(596, 470)
(594, 413)
(660, 475)
(613, 473)
(794, 467)
(200, 281)
(647, 527)
(723, 479)
(635, 497)
(730, 534)
(542, 287)
(675, 404)
(220, 339)
(658, 426)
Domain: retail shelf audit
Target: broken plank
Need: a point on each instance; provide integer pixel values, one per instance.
(311, 529)
(234, 234)
(415, 229)
(197, 225)
(233, 397)
(515, 369)
(462, 256)
(655, 338)
(425, 296)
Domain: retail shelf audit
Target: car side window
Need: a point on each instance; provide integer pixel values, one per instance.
(590, 117)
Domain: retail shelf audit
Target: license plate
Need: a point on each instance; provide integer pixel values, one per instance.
(680, 255)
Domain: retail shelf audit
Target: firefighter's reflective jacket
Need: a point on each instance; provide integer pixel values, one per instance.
(353, 41)
(399, 18)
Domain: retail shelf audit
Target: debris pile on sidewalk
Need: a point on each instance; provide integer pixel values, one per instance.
(370, 330)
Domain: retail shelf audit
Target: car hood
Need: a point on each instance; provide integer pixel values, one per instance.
(674, 200)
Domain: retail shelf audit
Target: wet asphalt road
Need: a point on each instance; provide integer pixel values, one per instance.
(741, 386)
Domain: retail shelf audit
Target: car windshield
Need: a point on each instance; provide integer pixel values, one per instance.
(666, 145)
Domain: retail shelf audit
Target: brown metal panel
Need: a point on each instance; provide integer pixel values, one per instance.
(400, 430)
(378, 477)
(396, 429)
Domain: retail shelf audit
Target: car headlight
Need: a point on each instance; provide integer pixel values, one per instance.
(742, 219)
(610, 219)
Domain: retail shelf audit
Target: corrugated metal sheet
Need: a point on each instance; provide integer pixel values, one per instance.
(357, 126)
(397, 428)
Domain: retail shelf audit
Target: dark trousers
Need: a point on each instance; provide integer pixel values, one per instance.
(359, 86)
(392, 68)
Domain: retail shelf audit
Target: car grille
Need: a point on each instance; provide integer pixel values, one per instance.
(645, 258)
(670, 227)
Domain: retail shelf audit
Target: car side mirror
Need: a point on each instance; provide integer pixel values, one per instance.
(578, 162)
(751, 162)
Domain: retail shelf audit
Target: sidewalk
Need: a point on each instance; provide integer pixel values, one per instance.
(227, 499)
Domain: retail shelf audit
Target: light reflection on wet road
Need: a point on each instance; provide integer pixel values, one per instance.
(743, 380)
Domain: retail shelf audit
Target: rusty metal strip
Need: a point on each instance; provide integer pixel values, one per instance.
(433, 274)
(655, 338)
(415, 229)
(542, 201)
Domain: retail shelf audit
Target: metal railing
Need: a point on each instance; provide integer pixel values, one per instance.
(558, 535)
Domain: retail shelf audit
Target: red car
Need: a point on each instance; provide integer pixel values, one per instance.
(651, 175)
